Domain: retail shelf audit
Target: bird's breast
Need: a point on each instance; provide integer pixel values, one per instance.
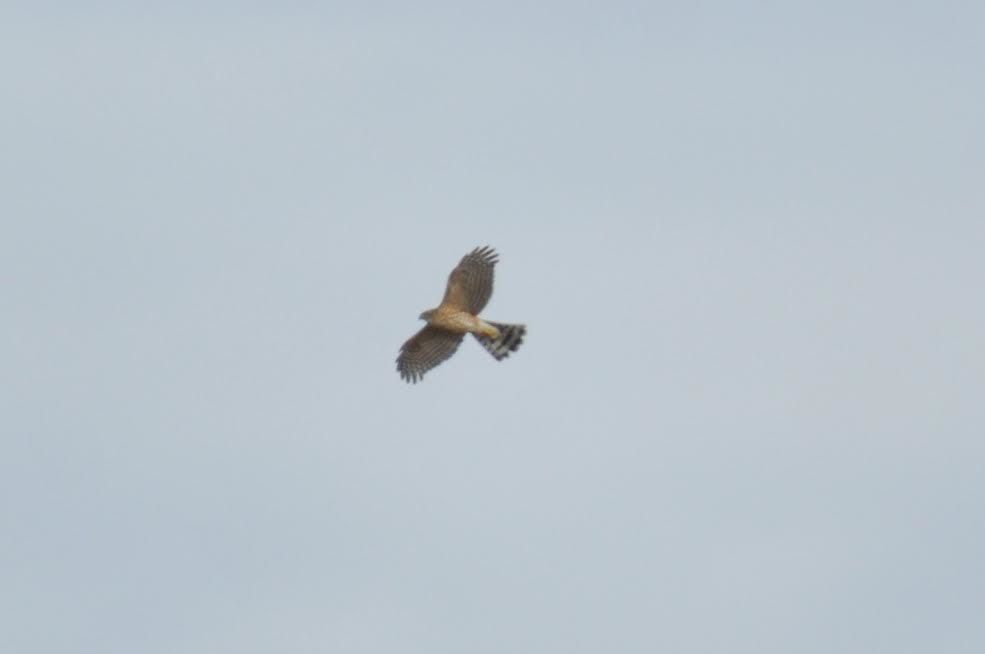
(459, 321)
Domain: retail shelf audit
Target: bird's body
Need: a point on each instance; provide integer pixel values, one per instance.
(469, 288)
(455, 320)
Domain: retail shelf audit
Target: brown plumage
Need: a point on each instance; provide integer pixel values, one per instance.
(468, 291)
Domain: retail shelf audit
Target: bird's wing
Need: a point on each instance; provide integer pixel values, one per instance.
(425, 350)
(470, 284)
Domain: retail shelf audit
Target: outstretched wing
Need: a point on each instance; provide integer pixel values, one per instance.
(471, 283)
(426, 349)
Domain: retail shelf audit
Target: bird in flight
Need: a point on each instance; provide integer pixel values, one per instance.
(469, 287)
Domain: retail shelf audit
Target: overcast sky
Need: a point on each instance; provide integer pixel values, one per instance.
(748, 240)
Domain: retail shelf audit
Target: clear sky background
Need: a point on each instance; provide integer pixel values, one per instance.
(747, 239)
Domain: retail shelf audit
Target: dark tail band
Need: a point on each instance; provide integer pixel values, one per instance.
(510, 338)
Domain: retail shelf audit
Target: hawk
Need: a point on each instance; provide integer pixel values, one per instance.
(469, 286)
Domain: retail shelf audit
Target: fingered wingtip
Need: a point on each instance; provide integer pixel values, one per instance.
(486, 252)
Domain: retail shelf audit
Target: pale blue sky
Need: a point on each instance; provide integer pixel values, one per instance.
(747, 240)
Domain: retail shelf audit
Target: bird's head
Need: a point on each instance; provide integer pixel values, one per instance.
(426, 315)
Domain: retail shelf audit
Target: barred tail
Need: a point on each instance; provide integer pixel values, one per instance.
(510, 337)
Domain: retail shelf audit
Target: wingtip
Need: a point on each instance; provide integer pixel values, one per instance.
(486, 252)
